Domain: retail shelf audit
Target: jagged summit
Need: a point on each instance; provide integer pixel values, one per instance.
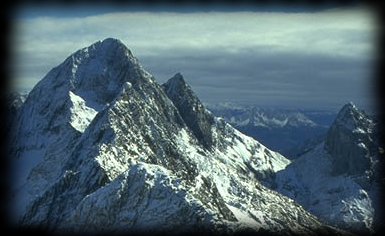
(349, 105)
(107, 48)
(177, 86)
(352, 118)
(103, 68)
(195, 115)
(96, 74)
(109, 43)
(88, 80)
(347, 109)
(178, 76)
(349, 141)
(112, 42)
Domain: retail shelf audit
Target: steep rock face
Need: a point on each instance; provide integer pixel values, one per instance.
(350, 142)
(338, 180)
(197, 118)
(124, 156)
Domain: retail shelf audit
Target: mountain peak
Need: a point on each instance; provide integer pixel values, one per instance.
(348, 141)
(350, 117)
(178, 77)
(347, 109)
(111, 45)
(88, 80)
(195, 115)
(176, 83)
(111, 41)
(100, 69)
(108, 49)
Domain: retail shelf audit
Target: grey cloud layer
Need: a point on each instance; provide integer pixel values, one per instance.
(256, 77)
(317, 59)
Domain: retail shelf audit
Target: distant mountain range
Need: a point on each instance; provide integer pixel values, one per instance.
(290, 132)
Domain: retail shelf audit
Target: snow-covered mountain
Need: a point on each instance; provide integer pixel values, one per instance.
(100, 145)
(339, 180)
(297, 130)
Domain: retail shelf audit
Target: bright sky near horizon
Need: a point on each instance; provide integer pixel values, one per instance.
(291, 59)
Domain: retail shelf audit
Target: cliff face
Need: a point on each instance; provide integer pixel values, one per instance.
(191, 109)
(351, 143)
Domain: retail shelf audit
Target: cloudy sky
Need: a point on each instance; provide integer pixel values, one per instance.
(317, 59)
